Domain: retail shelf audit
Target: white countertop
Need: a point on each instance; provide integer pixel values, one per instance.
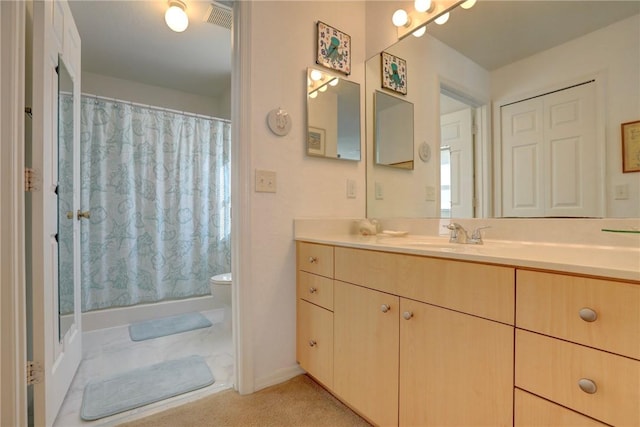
(616, 262)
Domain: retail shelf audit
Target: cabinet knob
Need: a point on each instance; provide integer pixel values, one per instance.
(312, 343)
(407, 315)
(588, 314)
(312, 290)
(313, 260)
(385, 307)
(587, 385)
(83, 214)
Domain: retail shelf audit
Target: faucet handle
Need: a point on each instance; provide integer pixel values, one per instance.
(476, 233)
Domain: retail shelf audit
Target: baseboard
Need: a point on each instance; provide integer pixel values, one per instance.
(112, 317)
(277, 377)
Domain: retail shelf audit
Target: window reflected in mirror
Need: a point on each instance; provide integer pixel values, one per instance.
(333, 116)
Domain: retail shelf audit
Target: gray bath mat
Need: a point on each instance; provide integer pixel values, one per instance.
(108, 396)
(167, 326)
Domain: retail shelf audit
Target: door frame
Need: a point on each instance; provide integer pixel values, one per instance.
(13, 387)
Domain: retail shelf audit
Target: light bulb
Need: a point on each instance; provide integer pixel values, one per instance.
(468, 4)
(442, 19)
(423, 5)
(313, 94)
(420, 31)
(400, 18)
(334, 82)
(176, 16)
(323, 88)
(315, 75)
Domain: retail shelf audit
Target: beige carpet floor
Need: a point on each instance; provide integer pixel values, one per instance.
(297, 402)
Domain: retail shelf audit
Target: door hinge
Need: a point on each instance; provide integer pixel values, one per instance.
(34, 372)
(474, 129)
(30, 180)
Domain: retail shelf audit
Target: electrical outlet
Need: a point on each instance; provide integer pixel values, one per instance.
(265, 181)
(621, 192)
(351, 189)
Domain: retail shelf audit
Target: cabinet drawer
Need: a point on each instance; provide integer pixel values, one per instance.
(480, 289)
(552, 368)
(314, 258)
(314, 343)
(551, 303)
(532, 411)
(315, 289)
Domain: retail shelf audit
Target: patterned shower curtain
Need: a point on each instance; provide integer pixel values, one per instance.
(157, 185)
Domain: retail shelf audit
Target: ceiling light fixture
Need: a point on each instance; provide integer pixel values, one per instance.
(424, 5)
(176, 16)
(468, 4)
(442, 19)
(420, 31)
(400, 18)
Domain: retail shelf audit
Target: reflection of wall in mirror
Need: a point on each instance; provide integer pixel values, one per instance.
(404, 194)
(612, 56)
(323, 111)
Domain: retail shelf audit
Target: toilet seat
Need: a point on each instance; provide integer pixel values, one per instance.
(221, 279)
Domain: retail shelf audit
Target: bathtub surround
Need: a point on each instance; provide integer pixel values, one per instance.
(157, 185)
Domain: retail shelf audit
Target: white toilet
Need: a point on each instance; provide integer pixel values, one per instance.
(221, 290)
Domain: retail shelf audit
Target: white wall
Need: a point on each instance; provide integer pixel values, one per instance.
(97, 84)
(283, 45)
(613, 53)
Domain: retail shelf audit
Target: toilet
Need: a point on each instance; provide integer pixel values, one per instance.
(221, 290)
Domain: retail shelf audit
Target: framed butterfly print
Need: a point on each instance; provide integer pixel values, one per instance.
(334, 49)
(394, 73)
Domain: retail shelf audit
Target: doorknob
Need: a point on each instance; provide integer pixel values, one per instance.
(83, 214)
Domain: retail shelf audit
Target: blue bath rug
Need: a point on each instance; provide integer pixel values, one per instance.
(167, 326)
(108, 396)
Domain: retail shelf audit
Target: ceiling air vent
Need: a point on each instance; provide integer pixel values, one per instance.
(219, 14)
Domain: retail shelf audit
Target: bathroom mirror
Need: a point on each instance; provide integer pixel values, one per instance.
(394, 131)
(558, 44)
(65, 200)
(333, 116)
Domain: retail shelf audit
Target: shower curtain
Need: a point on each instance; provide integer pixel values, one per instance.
(157, 185)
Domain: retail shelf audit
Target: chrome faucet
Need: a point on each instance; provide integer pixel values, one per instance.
(460, 235)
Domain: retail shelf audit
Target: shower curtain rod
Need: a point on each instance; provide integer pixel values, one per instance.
(153, 107)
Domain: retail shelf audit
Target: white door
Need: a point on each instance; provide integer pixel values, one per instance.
(549, 155)
(56, 45)
(456, 134)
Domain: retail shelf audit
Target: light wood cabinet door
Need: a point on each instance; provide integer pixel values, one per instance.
(315, 258)
(598, 313)
(532, 411)
(314, 341)
(601, 385)
(455, 369)
(366, 351)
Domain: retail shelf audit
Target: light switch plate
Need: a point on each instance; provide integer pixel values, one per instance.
(621, 192)
(379, 192)
(351, 189)
(430, 193)
(265, 181)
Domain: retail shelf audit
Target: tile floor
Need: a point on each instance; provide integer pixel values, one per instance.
(111, 351)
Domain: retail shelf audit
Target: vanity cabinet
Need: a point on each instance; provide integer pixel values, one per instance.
(314, 311)
(578, 345)
(413, 340)
(407, 362)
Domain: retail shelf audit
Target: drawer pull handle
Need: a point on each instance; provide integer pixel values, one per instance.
(313, 260)
(407, 315)
(587, 385)
(312, 343)
(312, 290)
(385, 307)
(588, 314)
